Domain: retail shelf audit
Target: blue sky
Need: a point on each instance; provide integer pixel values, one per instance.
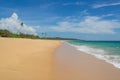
(83, 19)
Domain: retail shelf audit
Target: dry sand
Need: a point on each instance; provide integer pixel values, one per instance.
(71, 64)
(26, 59)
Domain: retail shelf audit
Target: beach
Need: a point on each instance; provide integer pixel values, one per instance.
(72, 64)
(33, 59)
(27, 59)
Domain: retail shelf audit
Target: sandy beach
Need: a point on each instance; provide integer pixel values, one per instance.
(26, 59)
(72, 64)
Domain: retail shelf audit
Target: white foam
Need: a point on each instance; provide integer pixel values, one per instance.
(100, 54)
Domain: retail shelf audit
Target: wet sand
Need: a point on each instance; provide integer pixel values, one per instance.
(27, 59)
(71, 64)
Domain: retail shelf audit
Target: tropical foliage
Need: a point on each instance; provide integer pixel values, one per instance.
(6, 33)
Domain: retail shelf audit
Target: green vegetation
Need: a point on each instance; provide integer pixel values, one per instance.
(6, 33)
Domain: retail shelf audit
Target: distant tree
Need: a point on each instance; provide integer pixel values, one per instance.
(21, 26)
(44, 34)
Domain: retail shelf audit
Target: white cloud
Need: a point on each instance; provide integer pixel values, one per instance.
(13, 24)
(84, 12)
(105, 5)
(90, 24)
(47, 5)
(107, 15)
(74, 3)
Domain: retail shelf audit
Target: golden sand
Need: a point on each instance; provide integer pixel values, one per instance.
(26, 59)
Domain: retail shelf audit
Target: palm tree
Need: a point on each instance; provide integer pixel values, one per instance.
(21, 26)
(43, 34)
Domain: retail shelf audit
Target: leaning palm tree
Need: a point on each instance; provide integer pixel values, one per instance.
(43, 34)
(21, 26)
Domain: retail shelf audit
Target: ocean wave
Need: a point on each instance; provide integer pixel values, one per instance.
(100, 54)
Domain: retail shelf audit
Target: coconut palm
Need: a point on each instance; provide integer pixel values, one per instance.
(44, 34)
(21, 26)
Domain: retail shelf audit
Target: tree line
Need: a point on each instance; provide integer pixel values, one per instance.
(6, 33)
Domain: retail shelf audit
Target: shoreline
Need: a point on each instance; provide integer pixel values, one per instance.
(96, 56)
(72, 64)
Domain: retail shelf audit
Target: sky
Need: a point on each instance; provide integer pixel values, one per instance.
(82, 19)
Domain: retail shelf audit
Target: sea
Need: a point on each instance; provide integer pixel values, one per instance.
(104, 50)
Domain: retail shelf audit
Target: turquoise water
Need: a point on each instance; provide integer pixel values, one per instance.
(105, 50)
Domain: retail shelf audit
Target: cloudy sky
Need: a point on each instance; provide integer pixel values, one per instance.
(83, 19)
